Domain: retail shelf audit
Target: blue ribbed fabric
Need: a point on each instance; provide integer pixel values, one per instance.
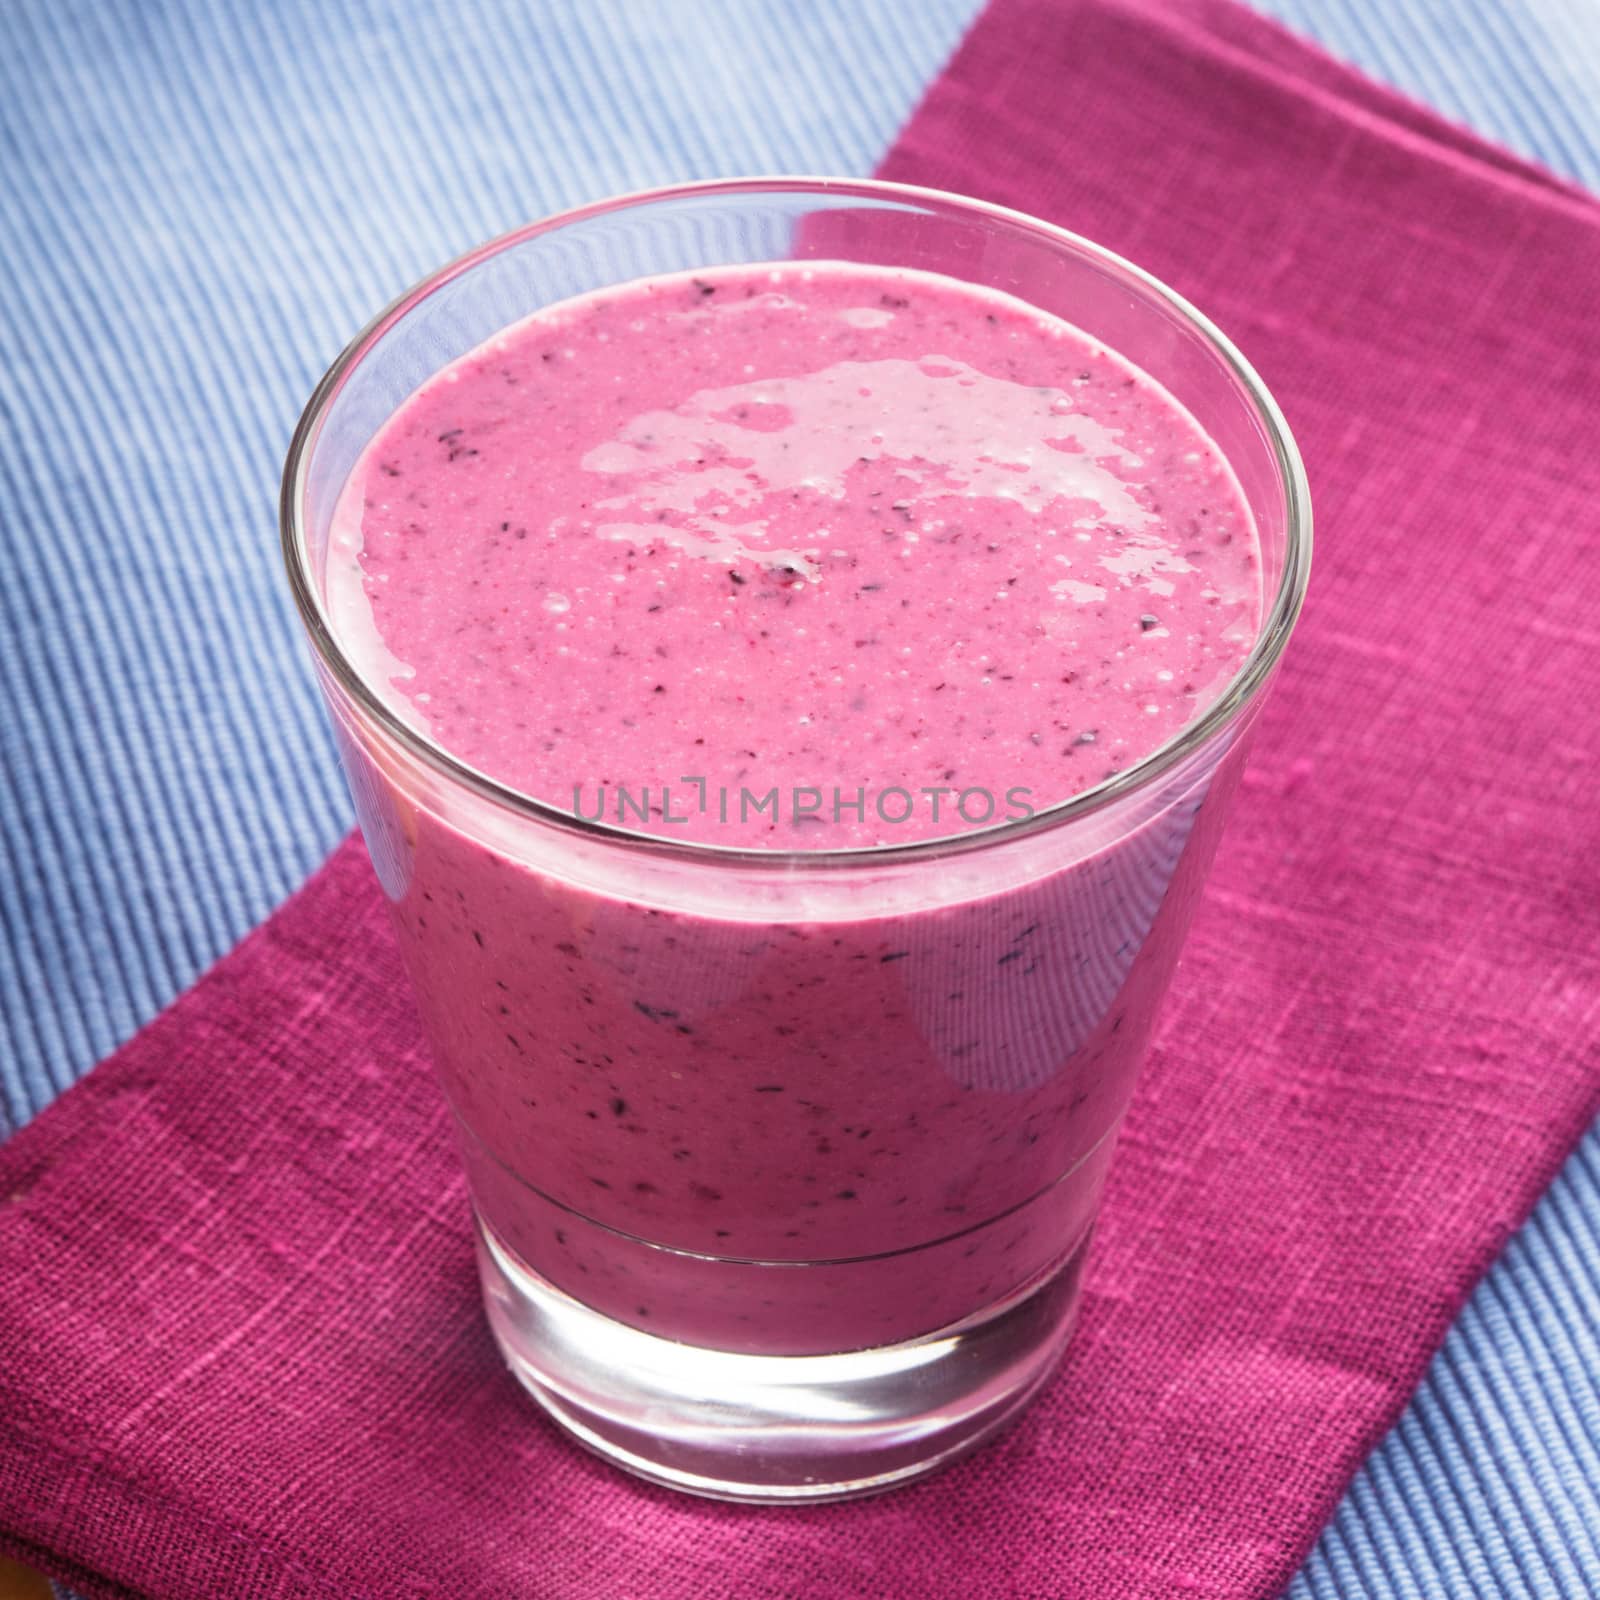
(198, 203)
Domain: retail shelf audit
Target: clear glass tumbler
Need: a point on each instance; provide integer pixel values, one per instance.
(785, 1165)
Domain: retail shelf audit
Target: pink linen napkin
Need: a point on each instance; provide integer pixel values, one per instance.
(240, 1350)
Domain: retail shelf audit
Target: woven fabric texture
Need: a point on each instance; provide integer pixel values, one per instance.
(1381, 1037)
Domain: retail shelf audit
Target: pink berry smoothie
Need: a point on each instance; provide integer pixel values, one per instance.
(795, 558)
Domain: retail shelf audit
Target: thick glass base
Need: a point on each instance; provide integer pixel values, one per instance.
(774, 1429)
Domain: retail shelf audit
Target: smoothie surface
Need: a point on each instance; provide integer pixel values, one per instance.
(800, 556)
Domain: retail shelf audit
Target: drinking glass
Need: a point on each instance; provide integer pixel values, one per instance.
(784, 1164)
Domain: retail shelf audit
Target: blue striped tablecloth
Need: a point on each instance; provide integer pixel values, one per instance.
(199, 203)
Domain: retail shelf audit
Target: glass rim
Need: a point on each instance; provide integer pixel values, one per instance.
(1252, 676)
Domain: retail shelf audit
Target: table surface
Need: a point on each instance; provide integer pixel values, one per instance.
(167, 778)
